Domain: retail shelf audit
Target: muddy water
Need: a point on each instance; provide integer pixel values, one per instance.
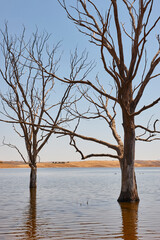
(77, 204)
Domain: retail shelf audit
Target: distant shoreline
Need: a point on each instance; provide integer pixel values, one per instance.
(79, 164)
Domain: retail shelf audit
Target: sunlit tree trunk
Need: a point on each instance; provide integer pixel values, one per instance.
(33, 173)
(129, 191)
(33, 177)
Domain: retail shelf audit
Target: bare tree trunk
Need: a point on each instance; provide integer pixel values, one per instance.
(33, 176)
(129, 191)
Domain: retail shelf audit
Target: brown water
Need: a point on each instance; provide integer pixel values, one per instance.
(77, 204)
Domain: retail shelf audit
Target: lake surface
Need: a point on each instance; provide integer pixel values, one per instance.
(77, 203)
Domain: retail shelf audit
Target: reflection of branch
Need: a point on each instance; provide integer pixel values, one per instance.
(13, 146)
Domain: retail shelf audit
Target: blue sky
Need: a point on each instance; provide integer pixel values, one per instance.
(48, 15)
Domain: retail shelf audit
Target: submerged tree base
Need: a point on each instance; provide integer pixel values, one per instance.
(128, 197)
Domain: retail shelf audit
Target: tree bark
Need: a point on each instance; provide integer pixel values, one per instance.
(129, 191)
(33, 176)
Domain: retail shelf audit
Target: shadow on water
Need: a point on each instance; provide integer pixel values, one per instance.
(129, 213)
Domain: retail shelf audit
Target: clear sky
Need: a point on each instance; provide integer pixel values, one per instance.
(48, 15)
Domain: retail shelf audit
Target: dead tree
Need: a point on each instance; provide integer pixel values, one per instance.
(30, 95)
(128, 67)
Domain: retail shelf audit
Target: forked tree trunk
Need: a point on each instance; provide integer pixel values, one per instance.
(129, 191)
(33, 176)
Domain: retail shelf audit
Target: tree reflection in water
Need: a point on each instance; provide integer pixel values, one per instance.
(34, 228)
(31, 225)
(129, 220)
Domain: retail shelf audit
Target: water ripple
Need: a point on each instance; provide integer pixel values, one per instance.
(77, 204)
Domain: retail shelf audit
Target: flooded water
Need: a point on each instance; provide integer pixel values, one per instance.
(77, 204)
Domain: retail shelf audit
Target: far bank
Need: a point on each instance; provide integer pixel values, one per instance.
(82, 164)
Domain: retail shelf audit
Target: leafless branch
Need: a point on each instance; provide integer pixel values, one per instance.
(15, 147)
